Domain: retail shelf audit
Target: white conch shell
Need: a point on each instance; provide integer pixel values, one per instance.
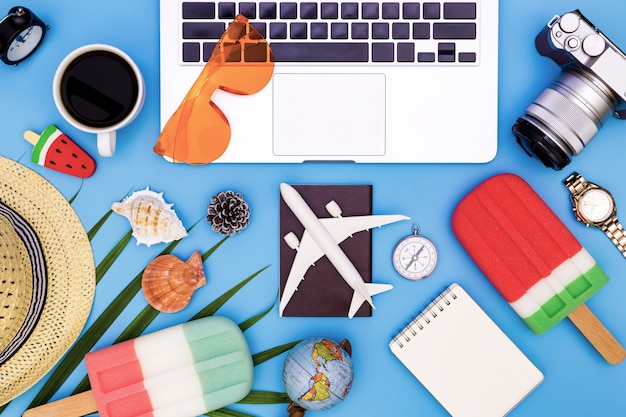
(151, 218)
(168, 282)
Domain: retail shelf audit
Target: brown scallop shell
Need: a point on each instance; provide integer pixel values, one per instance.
(168, 282)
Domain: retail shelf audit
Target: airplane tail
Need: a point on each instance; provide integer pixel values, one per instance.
(358, 299)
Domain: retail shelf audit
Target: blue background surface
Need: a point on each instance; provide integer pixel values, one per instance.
(578, 382)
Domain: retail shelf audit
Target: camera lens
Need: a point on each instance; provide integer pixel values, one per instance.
(565, 117)
(539, 145)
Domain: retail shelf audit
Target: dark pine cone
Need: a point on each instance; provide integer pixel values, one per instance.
(228, 213)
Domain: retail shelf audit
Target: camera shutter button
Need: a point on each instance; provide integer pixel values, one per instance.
(594, 45)
(569, 22)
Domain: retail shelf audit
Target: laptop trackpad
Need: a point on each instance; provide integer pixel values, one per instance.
(329, 115)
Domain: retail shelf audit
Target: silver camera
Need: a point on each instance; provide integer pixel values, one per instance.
(591, 87)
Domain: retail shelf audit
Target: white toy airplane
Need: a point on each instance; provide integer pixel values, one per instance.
(322, 236)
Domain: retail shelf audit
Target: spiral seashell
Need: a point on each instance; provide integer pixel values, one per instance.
(168, 282)
(151, 218)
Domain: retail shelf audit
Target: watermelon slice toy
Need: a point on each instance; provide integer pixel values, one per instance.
(55, 150)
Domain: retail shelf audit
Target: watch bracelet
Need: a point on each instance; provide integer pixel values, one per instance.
(575, 183)
(615, 231)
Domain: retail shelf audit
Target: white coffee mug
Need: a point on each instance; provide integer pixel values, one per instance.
(99, 89)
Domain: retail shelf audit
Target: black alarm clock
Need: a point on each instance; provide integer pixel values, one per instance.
(21, 32)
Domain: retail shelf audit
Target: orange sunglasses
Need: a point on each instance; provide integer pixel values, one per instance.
(198, 132)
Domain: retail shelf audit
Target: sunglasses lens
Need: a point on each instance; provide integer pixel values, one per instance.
(198, 133)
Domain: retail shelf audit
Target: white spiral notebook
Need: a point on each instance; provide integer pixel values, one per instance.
(463, 358)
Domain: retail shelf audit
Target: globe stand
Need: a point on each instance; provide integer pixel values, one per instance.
(295, 410)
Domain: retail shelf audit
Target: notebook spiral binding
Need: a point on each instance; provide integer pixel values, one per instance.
(425, 317)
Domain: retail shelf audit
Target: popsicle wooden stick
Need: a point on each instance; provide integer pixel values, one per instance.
(31, 137)
(74, 406)
(597, 334)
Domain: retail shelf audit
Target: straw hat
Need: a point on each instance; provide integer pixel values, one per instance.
(47, 279)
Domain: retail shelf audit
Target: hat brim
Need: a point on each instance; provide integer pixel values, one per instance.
(70, 273)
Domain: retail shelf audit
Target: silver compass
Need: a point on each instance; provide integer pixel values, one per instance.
(414, 257)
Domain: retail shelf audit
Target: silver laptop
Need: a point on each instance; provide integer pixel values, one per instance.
(355, 81)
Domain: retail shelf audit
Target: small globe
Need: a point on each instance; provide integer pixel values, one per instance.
(317, 374)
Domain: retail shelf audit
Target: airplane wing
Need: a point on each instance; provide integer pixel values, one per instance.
(307, 254)
(343, 227)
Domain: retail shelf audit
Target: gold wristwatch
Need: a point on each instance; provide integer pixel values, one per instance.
(595, 206)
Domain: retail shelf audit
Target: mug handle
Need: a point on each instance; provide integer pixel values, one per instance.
(106, 143)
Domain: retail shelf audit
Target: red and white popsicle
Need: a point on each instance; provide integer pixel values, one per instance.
(532, 259)
(182, 371)
(55, 150)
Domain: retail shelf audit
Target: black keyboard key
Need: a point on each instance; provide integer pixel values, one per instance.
(234, 54)
(298, 30)
(432, 11)
(207, 50)
(191, 52)
(278, 30)
(426, 57)
(256, 53)
(203, 30)
(454, 30)
(391, 10)
(406, 52)
(467, 56)
(319, 30)
(411, 10)
(339, 30)
(267, 10)
(320, 51)
(226, 10)
(360, 30)
(349, 10)
(248, 9)
(400, 30)
(382, 52)
(198, 10)
(446, 52)
(329, 10)
(459, 10)
(289, 10)
(421, 30)
(308, 10)
(369, 10)
(380, 31)
(261, 27)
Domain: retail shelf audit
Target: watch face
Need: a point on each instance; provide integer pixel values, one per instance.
(24, 43)
(415, 257)
(595, 205)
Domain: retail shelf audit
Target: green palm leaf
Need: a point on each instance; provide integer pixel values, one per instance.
(268, 354)
(221, 300)
(92, 232)
(266, 397)
(252, 320)
(224, 412)
(108, 260)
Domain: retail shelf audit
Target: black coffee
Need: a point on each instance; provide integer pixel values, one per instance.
(99, 89)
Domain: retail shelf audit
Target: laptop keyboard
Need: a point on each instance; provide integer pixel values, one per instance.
(407, 33)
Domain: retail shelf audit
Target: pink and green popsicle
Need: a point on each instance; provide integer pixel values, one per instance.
(532, 259)
(182, 371)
